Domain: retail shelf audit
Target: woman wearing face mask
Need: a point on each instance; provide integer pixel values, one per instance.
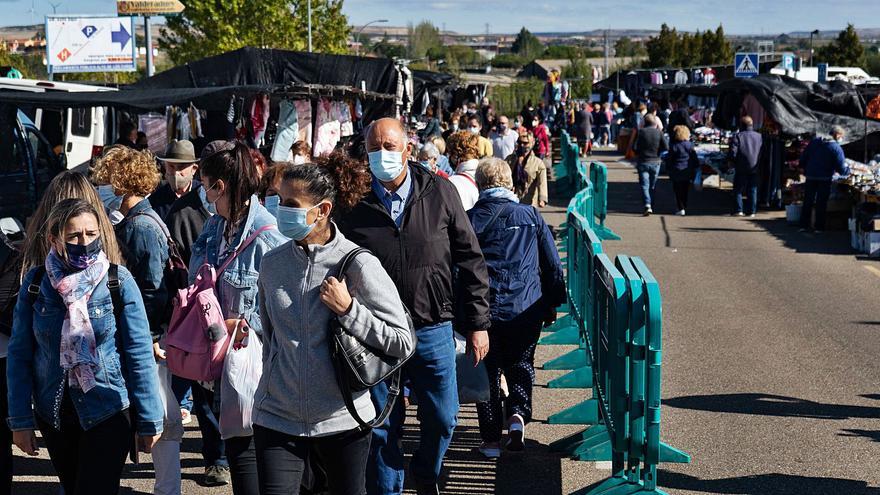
(67, 348)
(299, 406)
(428, 157)
(454, 125)
(529, 172)
(542, 136)
(464, 150)
(241, 225)
(270, 184)
(143, 237)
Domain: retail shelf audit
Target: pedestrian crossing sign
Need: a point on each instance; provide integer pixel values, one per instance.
(745, 64)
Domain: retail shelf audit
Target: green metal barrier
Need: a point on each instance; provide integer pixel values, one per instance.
(599, 179)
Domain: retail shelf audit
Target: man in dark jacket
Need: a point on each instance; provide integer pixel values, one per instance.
(180, 165)
(583, 126)
(745, 150)
(650, 144)
(680, 116)
(822, 158)
(413, 221)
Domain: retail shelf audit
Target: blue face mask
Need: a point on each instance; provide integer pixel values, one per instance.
(271, 203)
(386, 165)
(292, 222)
(427, 165)
(111, 201)
(212, 208)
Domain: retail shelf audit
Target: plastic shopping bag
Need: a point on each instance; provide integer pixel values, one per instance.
(698, 180)
(473, 382)
(241, 375)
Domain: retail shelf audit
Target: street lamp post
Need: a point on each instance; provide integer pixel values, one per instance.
(357, 35)
(310, 26)
(814, 32)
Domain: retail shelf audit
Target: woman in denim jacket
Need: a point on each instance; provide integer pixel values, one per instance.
(64, 358)
(143, 238)
(231, 182)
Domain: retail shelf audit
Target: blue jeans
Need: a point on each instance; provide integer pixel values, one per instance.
(744, 183)
(213, 448)
(432, 378)
(816, 194)
(648, 173)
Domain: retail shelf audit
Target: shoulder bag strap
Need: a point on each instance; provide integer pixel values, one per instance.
(394, 384)
(241, 247)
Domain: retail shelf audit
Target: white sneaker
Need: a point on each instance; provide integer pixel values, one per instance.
(490, 450)
(679, 213)
(516, 434)
(752, 215)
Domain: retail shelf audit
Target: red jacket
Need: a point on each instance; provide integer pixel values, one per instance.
(542, 140)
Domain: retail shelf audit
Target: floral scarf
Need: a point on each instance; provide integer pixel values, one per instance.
(79, 356)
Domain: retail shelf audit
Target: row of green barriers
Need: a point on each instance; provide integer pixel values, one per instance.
(615, 318)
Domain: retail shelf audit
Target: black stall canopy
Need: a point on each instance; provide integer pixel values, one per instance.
(798, 107)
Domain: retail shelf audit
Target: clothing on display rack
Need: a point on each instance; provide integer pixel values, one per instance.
(327, 128)
(343, 112)
(304, 119)
(697, 76)
(681, 77)
(259, 116)
(709, 76)
(288, 131)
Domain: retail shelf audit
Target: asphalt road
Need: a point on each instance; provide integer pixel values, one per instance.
(771, 371)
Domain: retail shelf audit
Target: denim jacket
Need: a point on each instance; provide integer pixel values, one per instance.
(237, 285)
(34, 370)
(144, 242)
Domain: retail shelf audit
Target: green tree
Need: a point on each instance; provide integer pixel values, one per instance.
(580, 74)
(527, 45)
(422, 38)
(625, 47)
(663, 48)
(872, 64)
(384, 48)
(720, 47)
(210, 27)
(508, 61)
(563, 51)
(845, 51)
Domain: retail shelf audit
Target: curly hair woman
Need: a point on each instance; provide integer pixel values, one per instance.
(143, 238)
(464, 152)
(299, 406)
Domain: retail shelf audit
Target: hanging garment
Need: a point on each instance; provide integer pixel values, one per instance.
(327, 129)
(752, 108)
(681, 77)
(709, 76)
(343, 115)
(195, 121)
(304, 119)
(259, 116)
(288, 131)
(698, 76)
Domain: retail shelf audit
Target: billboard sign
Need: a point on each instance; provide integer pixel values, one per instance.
(90, 44)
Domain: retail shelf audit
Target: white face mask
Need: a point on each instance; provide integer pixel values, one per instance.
(474, 130)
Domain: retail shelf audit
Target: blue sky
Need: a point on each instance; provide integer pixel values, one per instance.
(469, 16)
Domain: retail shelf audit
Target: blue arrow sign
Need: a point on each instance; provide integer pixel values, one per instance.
(120, 37)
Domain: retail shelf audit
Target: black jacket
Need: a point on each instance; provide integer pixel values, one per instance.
(186, 219)
(649, 144)
(435, 236)
(583, 123)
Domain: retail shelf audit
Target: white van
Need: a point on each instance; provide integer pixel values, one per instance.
(75, 133)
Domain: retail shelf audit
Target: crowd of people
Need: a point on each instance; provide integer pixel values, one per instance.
(449, 217)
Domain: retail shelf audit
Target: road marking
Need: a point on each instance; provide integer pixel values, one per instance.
(875, 271)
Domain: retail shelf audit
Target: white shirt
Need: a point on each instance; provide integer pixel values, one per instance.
(464, 182)
(503, 144)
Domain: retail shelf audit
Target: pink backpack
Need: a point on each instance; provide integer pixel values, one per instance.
(197, 340)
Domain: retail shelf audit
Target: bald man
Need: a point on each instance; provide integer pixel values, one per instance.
(414, 223)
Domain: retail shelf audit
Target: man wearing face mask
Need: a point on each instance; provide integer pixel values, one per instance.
(415, 224)
(474, 127)
(820, 161)
(180, 165)
(503, 138)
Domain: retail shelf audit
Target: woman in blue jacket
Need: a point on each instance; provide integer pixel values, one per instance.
(231, 184)
(682, 164)
(69, 359)
(526, 284)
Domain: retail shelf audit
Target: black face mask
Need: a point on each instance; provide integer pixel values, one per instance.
(79, 256)
(522, 149)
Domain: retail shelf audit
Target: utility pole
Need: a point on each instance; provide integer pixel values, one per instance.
(310, 25)
(605, 72)
(148, 39)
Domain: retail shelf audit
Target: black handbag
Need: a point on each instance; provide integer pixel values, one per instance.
(359, 367)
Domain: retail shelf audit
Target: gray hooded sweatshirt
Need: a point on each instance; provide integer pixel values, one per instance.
(298, 394)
